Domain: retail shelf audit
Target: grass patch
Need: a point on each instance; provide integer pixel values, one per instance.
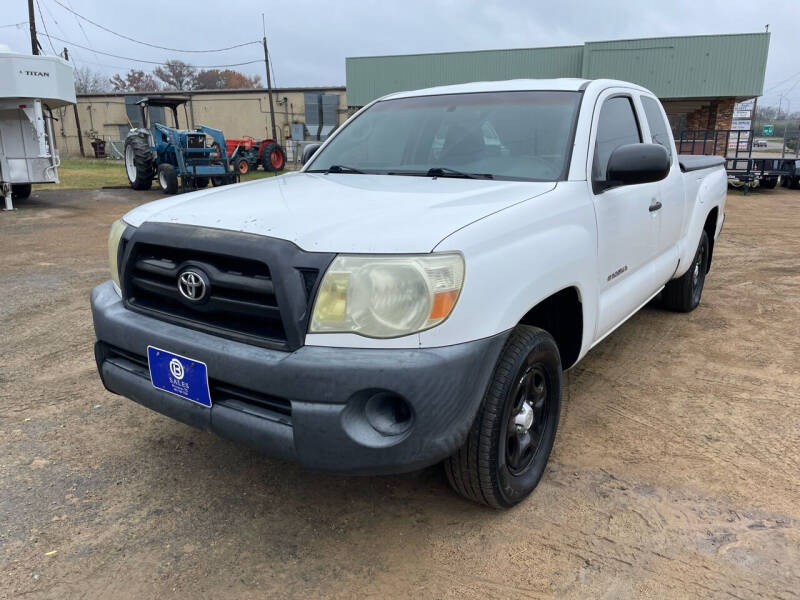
(93, 174)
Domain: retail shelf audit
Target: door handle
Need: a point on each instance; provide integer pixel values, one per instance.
(654, 206)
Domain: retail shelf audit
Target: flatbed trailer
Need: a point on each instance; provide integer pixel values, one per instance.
(744, 170)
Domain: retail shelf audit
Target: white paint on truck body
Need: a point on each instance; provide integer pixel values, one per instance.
(522, 241)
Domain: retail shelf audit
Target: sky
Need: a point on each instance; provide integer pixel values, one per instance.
(309, 40)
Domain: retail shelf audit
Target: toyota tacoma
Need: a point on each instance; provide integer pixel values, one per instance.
(413, 294)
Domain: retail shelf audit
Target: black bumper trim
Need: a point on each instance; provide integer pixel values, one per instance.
(443, 386)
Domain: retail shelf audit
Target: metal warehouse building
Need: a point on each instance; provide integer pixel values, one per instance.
(698, 78)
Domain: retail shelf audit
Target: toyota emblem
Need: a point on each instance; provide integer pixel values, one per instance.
(192, 285)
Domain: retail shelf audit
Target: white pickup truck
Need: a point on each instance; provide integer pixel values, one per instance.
(414, 293)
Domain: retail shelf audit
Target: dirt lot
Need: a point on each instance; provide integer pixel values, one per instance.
(676, 471)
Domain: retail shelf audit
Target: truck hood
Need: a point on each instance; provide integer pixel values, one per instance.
(344, 212)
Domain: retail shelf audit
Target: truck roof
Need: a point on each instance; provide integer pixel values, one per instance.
(568, 84)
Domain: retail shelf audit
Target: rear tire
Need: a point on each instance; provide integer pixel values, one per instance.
(769, 183)
(21, 191)
(683, 294)
(138, 162)
(200, 182)
(506, 451)
(272, 157)
(167, 178)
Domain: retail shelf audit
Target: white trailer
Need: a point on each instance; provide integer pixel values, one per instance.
(31, 87)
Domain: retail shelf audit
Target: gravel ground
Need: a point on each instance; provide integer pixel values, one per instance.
(676, 470)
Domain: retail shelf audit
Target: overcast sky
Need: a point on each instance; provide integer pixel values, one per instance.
(310, 40)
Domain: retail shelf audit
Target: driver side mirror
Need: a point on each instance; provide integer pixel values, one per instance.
(309, 151)
(630, 164)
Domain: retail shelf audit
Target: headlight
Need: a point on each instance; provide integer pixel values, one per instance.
(387, 296)
(114, 236)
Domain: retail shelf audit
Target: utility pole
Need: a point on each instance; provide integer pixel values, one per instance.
(269, 82)
(77, 117)
(32, 25)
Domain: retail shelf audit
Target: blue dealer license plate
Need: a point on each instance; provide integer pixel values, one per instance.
(179, 375)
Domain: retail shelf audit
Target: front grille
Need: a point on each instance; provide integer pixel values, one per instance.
(240, 299)
(259, 289)
(194, 140)
(221, 393)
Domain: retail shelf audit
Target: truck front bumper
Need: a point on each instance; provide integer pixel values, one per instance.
(349, 410)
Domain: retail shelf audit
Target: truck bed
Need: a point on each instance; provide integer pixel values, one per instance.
(694, 162)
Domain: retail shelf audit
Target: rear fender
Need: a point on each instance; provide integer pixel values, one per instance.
(710, 194)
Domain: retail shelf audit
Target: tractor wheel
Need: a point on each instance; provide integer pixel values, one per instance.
(138, 162)
(167, 178)
(273, 157)
(20, 191)
(200, 182)
(242, 166)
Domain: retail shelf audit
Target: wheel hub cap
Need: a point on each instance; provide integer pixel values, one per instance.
(524, 418)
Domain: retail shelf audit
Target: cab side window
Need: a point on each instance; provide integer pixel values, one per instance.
(616, 126)
(658, 128)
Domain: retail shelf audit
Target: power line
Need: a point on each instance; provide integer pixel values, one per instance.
(151, 62)
(41, 16)
(83, 31)
(146, 43)
(15, 24)
(782, 82)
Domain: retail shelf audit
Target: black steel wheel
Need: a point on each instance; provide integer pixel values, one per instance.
(526, 418)
(138, 162)
(507, 450)
(683, 294)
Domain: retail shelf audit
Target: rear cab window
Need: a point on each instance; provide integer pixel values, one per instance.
(659, 130)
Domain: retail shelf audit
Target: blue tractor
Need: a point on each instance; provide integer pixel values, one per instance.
(179, 159)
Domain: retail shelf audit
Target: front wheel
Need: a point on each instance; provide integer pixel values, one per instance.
(507, 449)
(242, 166)
(167, 178)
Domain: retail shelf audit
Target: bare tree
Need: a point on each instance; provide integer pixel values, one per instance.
(177, 75)
(90, 82)
(135, 81)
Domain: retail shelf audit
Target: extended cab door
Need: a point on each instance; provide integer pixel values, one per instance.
(627, 228)
(671, 193)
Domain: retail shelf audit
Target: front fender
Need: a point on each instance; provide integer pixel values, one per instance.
(518, 257)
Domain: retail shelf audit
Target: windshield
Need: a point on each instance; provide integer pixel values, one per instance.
(498, 135)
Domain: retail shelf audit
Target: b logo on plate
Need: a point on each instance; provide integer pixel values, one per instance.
(176, 368)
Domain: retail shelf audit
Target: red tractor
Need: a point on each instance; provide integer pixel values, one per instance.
(246, 153)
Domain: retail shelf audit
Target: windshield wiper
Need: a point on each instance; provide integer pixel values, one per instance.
(448, 172)
(339, 169)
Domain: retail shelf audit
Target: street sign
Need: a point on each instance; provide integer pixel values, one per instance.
(768, 130)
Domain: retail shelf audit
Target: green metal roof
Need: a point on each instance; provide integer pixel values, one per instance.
(672, 67)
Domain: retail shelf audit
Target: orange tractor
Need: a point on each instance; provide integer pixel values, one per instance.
(246, 154)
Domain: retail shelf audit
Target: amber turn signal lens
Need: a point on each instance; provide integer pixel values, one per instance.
(443, 303)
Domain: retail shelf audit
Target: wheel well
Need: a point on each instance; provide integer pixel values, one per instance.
(561, 315)
(710, 227)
